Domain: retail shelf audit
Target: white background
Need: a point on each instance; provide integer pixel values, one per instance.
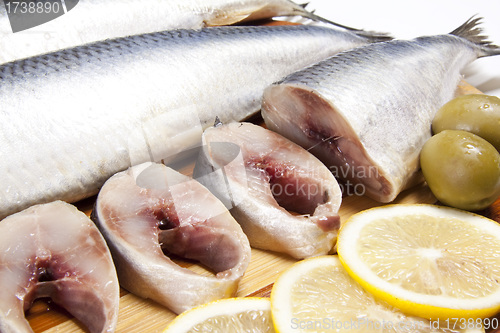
(409, 19)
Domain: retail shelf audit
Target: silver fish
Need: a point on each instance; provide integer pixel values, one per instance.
(71, 119)
(95, 20)
(54, 250)
(284, 198)
(367, 112)
(151, 209)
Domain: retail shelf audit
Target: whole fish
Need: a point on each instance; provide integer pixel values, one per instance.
(87, 21)
(71, 119)
(150, 212)
(54, 250)
(367, 112)
(284, 198)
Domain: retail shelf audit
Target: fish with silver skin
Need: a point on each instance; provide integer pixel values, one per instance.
(71, 119)
(54, 250)
(150, 212)
(96, 20)
(284, 198)
(367, 112)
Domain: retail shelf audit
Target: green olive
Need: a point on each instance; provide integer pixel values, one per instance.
(461, 169)
(475, 113)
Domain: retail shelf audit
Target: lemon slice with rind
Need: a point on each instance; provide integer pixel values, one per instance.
(239, 314)
(318, 295)
(429, 261)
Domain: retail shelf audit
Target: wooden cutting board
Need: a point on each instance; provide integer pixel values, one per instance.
(141, 315)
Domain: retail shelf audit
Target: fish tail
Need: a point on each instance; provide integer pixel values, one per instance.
(471, 31)
(373, 36)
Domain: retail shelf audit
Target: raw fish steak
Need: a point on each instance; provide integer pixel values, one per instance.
(151, 212)
(54, 250)
(285, 199)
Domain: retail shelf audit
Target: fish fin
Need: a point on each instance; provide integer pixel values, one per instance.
(373, 36)
(248, 13)
(255, 13)
(471, 31)
(221, 20)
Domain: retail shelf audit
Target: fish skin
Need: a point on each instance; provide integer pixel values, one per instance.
(283, 197)
(367, 112)
(129, 211)
(83, 278)
(96, 20)
(71, 119)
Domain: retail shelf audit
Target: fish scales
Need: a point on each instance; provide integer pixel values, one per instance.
(71, 119)
(367, 112)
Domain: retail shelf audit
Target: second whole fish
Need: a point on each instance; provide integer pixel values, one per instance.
(367, 112)
(70, 120)
(87, 21)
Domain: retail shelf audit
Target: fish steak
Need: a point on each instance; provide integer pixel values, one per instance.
(54, 250)
(151, 212)
(284, 198)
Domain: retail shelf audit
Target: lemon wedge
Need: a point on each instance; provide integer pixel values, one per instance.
(318, 295)
(239, 314)
(429, 261)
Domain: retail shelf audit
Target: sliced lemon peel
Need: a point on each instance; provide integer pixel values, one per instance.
(419, 304)
(224, 307)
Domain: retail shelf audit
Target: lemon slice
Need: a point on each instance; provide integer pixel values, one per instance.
(429, 261)
(240, 314)
(318, 295)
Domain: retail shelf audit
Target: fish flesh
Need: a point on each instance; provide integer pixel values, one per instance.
(54, 250)
(88, 21)
(71, 119)
(150, 212)
(367, 112)
(284, 198)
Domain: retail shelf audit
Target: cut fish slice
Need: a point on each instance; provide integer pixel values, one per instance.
(149, 212)
(54, 250)
(284, 198)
